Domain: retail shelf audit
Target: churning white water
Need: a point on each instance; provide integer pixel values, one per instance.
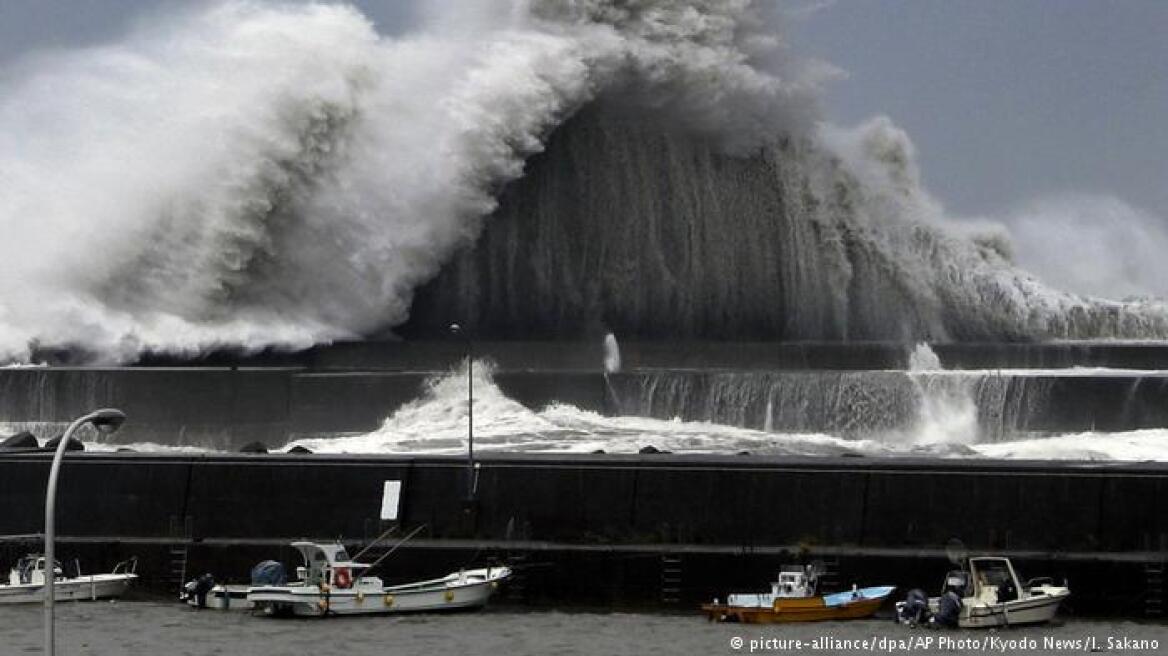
(436, 423)
(265, 173)
(947, 410)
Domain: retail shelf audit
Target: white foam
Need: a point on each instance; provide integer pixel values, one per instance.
(1149, 444)
(436, 423)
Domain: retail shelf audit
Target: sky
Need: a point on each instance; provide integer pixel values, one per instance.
(1038, 114)
(1007, 101)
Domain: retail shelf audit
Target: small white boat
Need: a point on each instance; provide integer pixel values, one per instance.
(793, 598)
(330, 583)
(987, 593)
(26, 582)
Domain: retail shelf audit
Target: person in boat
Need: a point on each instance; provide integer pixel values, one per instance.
(949, 605)
(24, 568)
(915, 611)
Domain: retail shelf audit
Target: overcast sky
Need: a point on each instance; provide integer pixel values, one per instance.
(1007, 101)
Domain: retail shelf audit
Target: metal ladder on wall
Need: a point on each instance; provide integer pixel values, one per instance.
(177, 572)
(1154, 589)
(671, 578)
(178, 552)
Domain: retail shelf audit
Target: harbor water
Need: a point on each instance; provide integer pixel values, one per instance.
(140, 628)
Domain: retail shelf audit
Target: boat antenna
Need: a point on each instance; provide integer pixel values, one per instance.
(456, 329)
(395, 548)
(375, 541)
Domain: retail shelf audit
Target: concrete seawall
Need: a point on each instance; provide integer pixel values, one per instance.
(877, 517)
(224, 408)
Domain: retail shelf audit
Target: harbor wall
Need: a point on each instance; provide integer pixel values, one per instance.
(878, 518)
(224, 408)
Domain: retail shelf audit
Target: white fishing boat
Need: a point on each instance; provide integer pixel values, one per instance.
(330, 583)
(26, 582)
(987, 592)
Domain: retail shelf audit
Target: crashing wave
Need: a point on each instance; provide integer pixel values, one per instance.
(255, 174)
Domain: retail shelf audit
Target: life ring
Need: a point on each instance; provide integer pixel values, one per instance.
(342, 578)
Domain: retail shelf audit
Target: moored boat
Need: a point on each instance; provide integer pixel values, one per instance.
(330, 583)
(987, 592)
(26, 582)
(793, 598)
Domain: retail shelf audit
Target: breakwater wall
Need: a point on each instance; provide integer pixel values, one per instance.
(730, 518)
(224, 408)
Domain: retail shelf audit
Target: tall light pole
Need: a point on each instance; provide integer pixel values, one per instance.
(457, 329)
(106, 420)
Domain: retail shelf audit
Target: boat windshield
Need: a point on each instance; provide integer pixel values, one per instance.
(995, 575)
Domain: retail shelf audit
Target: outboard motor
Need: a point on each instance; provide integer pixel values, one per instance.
(199, 588)
(915, 609)
(948, 610)
(949, 606)
(269, 572)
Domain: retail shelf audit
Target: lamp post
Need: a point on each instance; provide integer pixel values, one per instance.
(456, 330)
(106, 420)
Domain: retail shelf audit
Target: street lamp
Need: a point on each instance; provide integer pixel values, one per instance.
(107, 421)
(456, 329)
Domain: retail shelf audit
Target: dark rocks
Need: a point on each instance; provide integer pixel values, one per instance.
(22, 440)
(73, 445)
(650, 450)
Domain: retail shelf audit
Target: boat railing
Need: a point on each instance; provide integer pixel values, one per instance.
(128, 566)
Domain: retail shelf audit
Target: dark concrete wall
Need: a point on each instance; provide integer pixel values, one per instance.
(669, 500)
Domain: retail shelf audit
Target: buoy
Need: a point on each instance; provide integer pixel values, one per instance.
(342, 578)
(449, 595)
(388, 600)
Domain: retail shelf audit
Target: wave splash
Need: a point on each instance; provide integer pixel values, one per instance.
(255, 174)
(437, 423)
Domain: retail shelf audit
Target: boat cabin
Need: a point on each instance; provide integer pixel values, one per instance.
(328, 563)
(794, 581)
(994, 579)
(30, 570)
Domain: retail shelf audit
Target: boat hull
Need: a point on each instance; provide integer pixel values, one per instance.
(85, 588)
(1035, 610)
(443, 595)
(804, 609)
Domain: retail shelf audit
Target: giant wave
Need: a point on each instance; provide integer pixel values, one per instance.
(251, 174)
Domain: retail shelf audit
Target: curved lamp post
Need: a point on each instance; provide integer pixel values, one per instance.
(106, 420)
(457, 330)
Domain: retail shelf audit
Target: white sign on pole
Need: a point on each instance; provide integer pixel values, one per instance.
(390, 497)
